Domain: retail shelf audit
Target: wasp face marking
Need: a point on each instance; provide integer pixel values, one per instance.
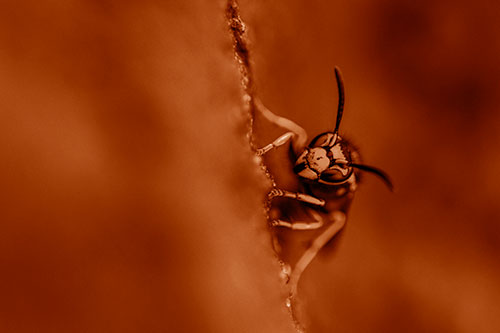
(326, 160)
(338, 154)
(312, 162)
(318, 160)
(302, 167)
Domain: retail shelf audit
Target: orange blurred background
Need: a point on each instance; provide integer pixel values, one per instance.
(130, 201)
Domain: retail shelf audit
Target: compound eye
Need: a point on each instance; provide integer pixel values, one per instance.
(336, 174)
(323, 140)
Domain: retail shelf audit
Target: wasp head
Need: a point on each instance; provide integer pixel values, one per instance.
(326, 160)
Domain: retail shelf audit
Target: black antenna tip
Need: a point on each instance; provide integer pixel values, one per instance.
(340, 108)
(337, 71)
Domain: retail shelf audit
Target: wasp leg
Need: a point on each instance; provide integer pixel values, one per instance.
(300, 139)
(276, 143)
(318, 220)
(338, 218)
(299, 225)
(275, 192)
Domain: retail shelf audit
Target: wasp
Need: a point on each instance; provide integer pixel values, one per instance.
(328, 171)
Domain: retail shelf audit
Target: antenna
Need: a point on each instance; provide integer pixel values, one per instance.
(384, 176)
(340, 109)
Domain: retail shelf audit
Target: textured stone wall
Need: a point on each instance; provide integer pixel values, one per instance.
(129, 196)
